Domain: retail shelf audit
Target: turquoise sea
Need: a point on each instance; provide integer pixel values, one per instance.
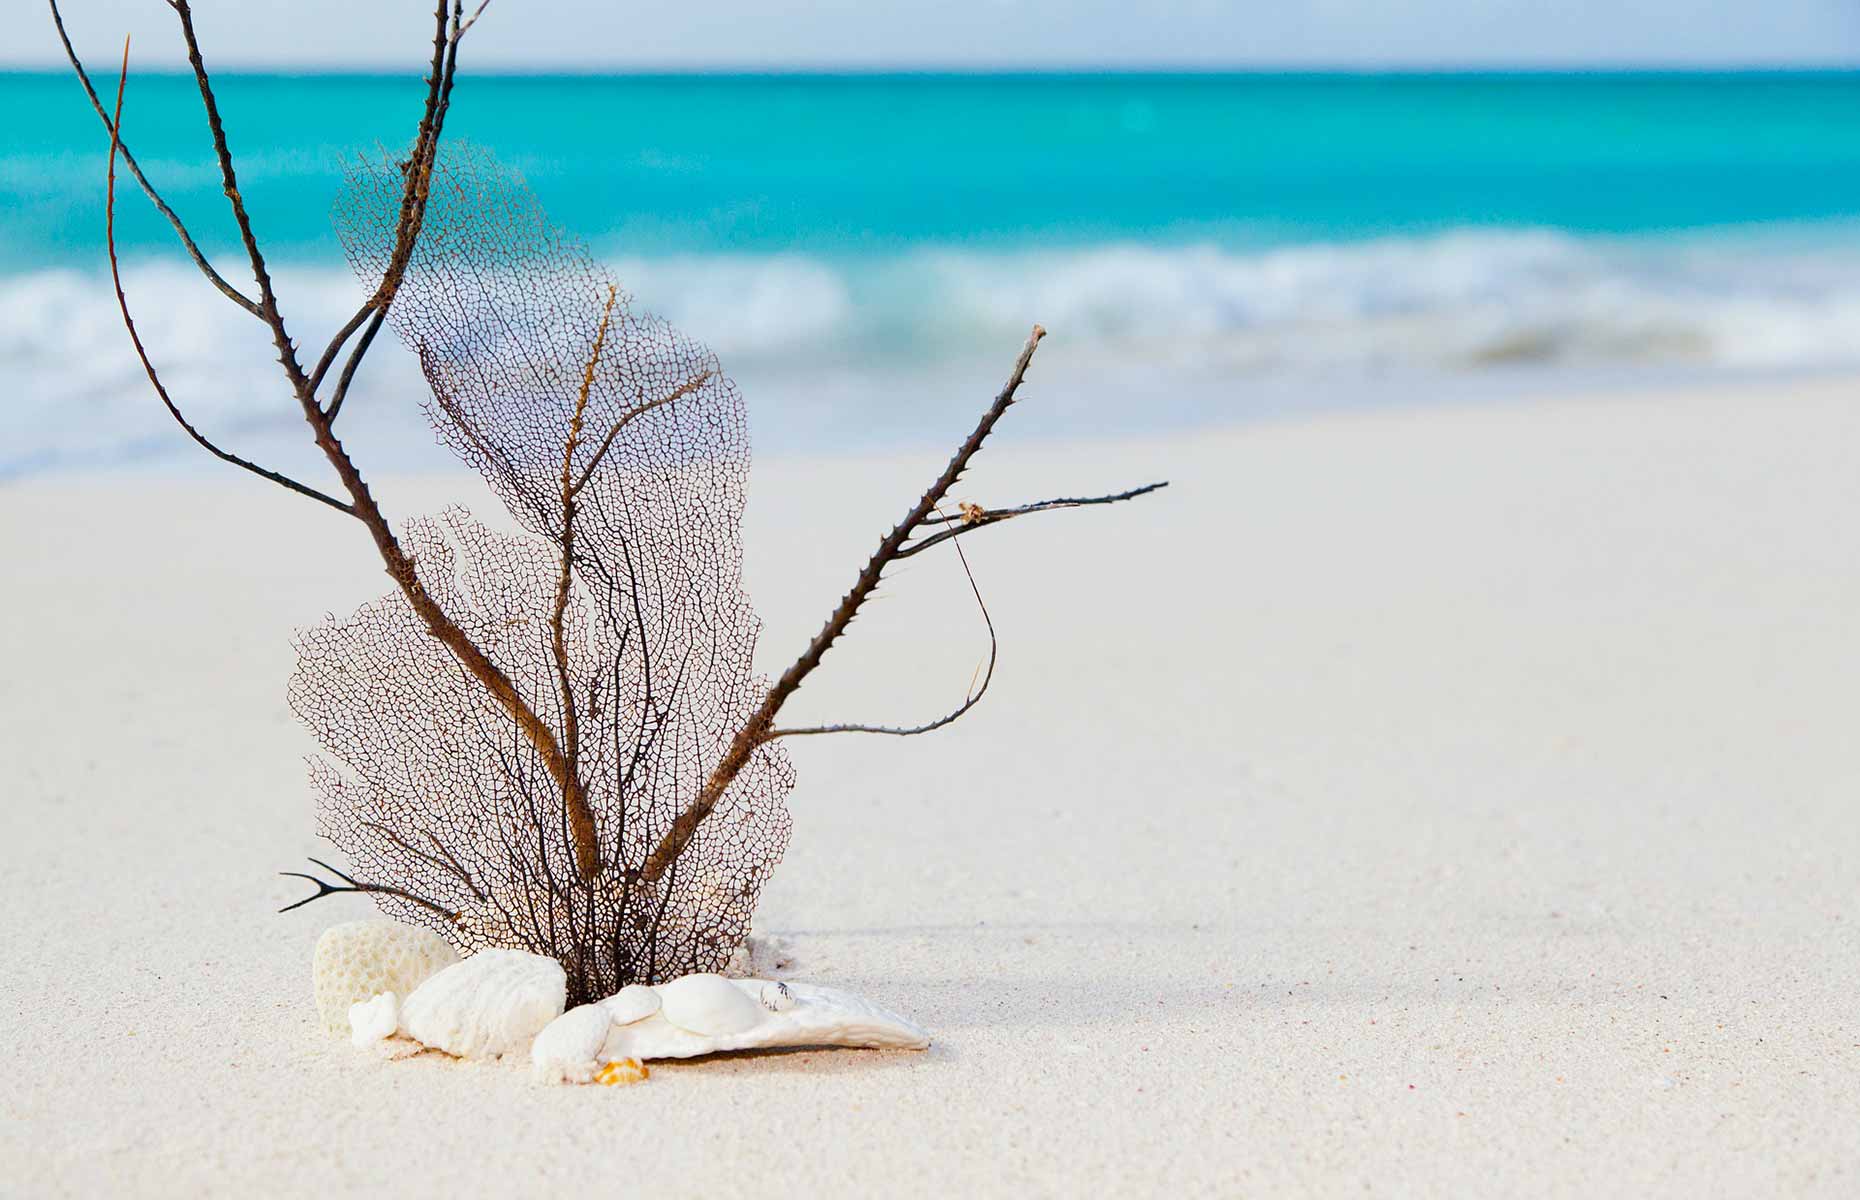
(864, 240)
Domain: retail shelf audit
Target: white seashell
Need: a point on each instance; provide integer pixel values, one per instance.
(569, 1048)
(776, 997)
(374, 1021)
(358, 960)
(491, 1004)
(709, 1005)
(815, 1016)
(634, 1002)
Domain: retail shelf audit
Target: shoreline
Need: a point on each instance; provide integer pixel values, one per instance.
(1069, 406)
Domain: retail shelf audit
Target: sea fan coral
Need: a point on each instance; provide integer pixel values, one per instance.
(620, 620)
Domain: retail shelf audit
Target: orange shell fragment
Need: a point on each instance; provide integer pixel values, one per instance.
(621, 1072)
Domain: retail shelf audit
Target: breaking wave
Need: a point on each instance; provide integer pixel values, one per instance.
(1776, 298)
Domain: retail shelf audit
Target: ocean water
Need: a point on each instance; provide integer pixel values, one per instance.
(867, 251)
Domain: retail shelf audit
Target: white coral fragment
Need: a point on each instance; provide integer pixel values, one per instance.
(358, 960)
(568, 1050)
(487, 1006)
(374, 1021)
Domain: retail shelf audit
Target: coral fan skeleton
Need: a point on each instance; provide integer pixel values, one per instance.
(551, 741)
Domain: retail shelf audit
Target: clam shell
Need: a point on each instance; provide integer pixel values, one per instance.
(812, 1016)
(708, 1005)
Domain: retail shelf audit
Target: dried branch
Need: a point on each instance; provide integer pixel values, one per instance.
(267, 299)
(473, 20)
(355, 360)
(970, 701)
(400, 566)
(354, 885)
(148, 189)
(973, 517)
(418, 173)
(756, 731)
(135, 339)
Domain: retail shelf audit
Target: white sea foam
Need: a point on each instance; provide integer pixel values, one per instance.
(1455, 302)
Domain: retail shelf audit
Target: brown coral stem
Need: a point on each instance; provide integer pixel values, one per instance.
(362, 504)
(574, 796)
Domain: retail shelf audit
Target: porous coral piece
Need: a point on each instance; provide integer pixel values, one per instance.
(487, 1006)
(358, 960)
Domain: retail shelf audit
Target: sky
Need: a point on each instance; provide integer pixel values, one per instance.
(969, 34)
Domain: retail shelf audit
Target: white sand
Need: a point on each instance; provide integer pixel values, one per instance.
(1441, 803)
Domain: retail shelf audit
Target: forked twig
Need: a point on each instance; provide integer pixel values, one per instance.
(418, 173)
(470, 21)
(355, 360)
(324, 888)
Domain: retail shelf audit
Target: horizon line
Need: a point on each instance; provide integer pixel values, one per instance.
(740, 70)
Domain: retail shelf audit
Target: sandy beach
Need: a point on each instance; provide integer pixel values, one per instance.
(1435, 802)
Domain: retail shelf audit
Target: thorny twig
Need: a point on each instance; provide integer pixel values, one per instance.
(418, 172)
(400, 566)
(760, 727)
(450, 25)
(187, 241)
(976, 692)
(135, 339)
